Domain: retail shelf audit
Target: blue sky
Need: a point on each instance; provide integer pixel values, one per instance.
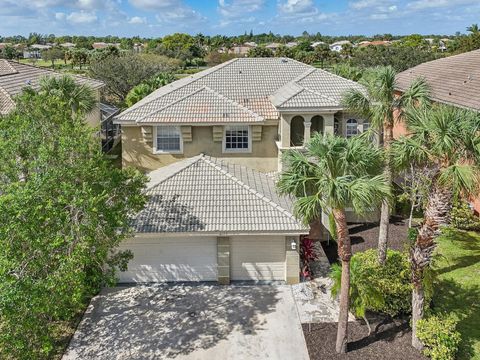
(154, 18)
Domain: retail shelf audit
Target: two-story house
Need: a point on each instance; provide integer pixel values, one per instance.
(210, 142)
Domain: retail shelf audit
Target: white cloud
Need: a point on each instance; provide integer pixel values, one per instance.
(137, 20)
(298, 7)
(156, 4)
(432, 4)
(237, 8)
(82, 17)
(60, 16)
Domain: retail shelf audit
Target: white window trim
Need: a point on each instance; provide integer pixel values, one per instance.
(229, 151)
(156, 151)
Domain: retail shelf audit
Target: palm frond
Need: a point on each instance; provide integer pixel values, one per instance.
(461, 178)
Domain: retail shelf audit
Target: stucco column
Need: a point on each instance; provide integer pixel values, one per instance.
(328, 122)
(292, 260)
(306, 132)
(223, 260)
(285, 130)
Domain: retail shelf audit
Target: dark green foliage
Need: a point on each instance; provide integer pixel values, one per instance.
(463, 218)
(147, 87)
(440, 337)
(260, 51)
(121, 73)
(364, 294)
(399, 57)
(64, 209)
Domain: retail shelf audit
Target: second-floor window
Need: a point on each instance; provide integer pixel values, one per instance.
(168, 139)
(237, 139)
(352, 128)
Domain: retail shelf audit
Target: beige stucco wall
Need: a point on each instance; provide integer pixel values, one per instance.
(137, 152)
(94, 117)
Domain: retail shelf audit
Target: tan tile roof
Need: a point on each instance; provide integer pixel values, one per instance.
(202, 106)
(453, 80)
(250, 82)
(15, 76)
(205, 194)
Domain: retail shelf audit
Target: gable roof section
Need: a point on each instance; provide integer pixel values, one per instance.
(207, 195)
(6, 68)
(203, 105)
(315, 88)
(15, 76)
(249, 82)
(453, 80)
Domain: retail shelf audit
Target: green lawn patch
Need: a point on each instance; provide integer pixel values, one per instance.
(457, 288)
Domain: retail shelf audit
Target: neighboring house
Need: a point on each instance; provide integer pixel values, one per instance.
(35, 51)
(15, 76)
(103, 45)
(242, 50)
(273, 46)
(291, 44)
(454, 80)
(217, 216)
(338, 46)
(68, 45)
(374, 43)
(318, 43)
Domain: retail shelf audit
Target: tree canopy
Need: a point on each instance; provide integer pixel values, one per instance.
(64, 209)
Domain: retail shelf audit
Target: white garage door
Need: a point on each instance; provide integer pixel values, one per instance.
(171, 259)
(257, 258)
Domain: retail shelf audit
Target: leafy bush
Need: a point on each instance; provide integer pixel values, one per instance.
(392, 280)
(440, 337)
(363, 293)
(463, 218)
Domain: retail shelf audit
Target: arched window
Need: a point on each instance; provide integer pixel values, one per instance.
(317, 125)
(297, 129)
(352, 128)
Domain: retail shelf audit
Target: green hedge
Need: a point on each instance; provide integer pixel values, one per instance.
(440, 337)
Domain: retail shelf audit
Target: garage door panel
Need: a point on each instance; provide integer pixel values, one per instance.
(171, 259)
(258, 258)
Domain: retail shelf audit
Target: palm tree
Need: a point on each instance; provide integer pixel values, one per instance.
(331, 174)
(383, 106)
(81, 98)
(473, 29)
(445, 139)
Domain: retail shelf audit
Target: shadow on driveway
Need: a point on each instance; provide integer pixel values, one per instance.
(177, 321)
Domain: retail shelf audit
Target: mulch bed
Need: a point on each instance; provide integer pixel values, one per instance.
(390, 341)
(365, 236)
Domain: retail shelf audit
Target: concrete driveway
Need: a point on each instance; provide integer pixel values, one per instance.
(190, 322)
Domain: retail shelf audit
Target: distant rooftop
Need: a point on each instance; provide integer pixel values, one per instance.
(14, 76)
(453, 80)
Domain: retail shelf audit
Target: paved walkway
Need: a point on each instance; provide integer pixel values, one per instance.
(190, 322)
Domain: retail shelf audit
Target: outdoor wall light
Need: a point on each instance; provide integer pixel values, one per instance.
(293, 245)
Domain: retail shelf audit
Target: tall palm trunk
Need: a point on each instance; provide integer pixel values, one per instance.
(345, 253)
(385, 210)
(437, 214)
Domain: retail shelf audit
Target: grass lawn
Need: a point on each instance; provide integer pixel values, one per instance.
(457, 290)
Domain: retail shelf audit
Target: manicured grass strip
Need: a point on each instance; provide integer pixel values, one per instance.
(457, 290)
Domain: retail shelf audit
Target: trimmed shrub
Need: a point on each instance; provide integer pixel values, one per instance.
(440, 337)
(392, 280)
(463, 218)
